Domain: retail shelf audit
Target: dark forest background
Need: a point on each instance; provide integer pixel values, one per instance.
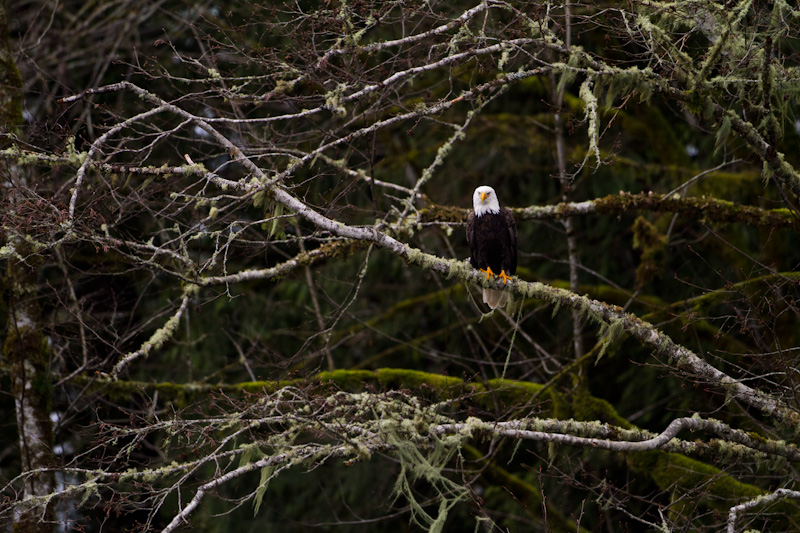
(234, 284)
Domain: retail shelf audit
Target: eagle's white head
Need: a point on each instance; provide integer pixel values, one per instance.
(484, 200)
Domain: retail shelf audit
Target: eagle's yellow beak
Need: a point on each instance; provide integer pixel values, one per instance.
(483, 196)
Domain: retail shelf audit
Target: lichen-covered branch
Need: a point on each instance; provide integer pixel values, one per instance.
(712, 210)
(511, 391)
(159, 337)
(567, 432)
(765, 499)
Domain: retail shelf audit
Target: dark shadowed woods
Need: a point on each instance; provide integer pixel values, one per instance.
(234, 283)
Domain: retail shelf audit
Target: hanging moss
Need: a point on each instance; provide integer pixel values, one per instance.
(695, 103)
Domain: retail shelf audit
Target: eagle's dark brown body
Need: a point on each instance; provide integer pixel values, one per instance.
(492, 241)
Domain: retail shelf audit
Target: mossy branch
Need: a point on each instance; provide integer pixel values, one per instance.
(75, 159)
(763, 499)
(661, 344)
(159, 337)
(596, 435)
(448, 388)
(698, 208)
(510, 391)
(735, 16)
(749, 287)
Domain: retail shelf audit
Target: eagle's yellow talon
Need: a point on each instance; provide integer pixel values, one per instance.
(504, 276)
(488, 271)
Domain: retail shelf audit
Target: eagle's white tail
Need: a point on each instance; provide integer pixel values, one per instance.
(495, 298)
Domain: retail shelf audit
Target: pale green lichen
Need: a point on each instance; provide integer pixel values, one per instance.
(474, 426)
(72, 155)
(459, 269)
(6, 252)
(414, 255)
(90, 488)
(161, 335)
(504, 56)
(195, 168)
(333, 100)
(611, 334)
(283, 86)
(590, 103)
(22, 157)
(357, 36)
(569, 70)
(463, 35)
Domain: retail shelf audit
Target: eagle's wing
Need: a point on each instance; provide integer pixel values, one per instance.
(471, 237)
(512, 235)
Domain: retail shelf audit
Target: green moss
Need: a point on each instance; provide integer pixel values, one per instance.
(436, 213)
(753, 288)
(695, 103)
(587, 407)
(416, 378)
(608, 294)
(700, 208)
(681, 475)
(262, 386)
(347, 379)
(674, 471)
(513, 392)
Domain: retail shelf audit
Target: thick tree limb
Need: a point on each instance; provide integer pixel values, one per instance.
(697, 208)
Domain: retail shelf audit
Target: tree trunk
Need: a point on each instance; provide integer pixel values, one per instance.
(24, 349)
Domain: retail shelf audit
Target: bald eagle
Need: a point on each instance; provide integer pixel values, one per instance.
(492, 239)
